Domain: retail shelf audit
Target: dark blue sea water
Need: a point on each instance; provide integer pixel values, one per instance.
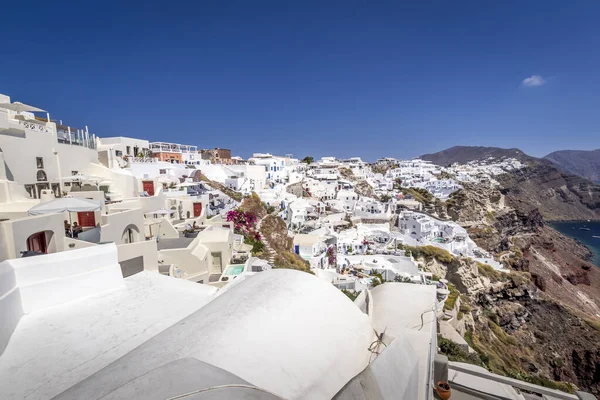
(579, 231)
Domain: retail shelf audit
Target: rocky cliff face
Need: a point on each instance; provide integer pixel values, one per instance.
(465, 154)
(557, 195)
(578, 162)
(540, 322)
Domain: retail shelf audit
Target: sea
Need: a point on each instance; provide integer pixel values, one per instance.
(587, 233)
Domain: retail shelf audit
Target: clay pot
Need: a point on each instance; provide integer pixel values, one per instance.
(443, 390)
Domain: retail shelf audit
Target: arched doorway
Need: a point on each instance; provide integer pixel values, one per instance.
(130, 234)
(39, 241)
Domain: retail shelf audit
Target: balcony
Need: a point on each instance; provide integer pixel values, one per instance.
(77, 138)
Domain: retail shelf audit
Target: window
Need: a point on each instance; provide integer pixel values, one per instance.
(41, 176)
(162, 171)
(40, 162)
(118, 153)
(31, 190)
(128, 150)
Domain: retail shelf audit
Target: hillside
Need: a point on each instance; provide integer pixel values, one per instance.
(540, 322)
(557, 195)
(541, 185)
(465, 154)
(578, 162)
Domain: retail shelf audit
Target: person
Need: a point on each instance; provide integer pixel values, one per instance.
(76, 229)
(67, 225)
(195, 226)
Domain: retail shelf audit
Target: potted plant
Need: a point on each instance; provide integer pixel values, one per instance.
(443, 390)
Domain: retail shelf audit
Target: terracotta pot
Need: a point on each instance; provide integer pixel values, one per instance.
(443, 390)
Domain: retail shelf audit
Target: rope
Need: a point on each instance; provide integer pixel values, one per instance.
(374, 347)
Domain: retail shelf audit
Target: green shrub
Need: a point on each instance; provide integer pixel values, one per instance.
(501, 335)
(488, 271)
(430, 252)
(352, 295)
(464, 307)
(452, 297)
(455, 353)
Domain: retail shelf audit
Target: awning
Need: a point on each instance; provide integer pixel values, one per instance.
(71, 204)
(20, 107)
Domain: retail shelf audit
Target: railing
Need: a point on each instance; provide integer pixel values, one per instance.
(75, 139)
(35, 126)
(526, 386)
(142, 159)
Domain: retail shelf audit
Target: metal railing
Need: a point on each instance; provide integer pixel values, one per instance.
(525, 386)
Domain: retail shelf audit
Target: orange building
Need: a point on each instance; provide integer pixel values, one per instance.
(168, 156)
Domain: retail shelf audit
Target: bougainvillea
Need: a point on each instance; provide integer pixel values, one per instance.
(243, 222)
(331, 256)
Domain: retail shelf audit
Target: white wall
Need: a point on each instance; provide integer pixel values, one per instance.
(193, 260)
(59, 159)
(120, 181)
(147, 249)
(14, 234)
(35, 283)
(11, 307)
(115, 223)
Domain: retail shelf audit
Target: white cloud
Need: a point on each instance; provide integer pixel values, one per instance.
(533, 81)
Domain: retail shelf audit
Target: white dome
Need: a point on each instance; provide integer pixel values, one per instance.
(284, 331)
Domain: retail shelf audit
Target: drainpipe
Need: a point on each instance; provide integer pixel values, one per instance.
(60, 184)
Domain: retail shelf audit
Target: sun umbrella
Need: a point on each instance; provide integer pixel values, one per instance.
(160, 211)
(20, 107)
(64, 204)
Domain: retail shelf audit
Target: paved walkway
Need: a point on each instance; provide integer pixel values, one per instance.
(271, 255)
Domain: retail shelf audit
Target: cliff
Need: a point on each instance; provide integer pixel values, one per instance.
(465, 154)
(557, 195)
(585, 164)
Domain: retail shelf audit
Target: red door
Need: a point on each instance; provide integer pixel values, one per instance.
(86, 218)
(197, 209)
(37, 242)
(148, 187)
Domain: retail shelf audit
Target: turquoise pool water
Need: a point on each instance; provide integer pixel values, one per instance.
(234, 269)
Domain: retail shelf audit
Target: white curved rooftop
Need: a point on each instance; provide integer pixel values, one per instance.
(284, 331)
(53, 349)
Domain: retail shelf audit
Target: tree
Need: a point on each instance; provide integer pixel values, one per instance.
(377, 279)
(385, 198)
(308, 160)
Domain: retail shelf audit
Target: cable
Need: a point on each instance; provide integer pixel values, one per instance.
(374, 347)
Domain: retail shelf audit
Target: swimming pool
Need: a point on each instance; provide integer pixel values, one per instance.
(234, 269)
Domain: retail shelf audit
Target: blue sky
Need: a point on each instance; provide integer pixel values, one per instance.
(314, 78)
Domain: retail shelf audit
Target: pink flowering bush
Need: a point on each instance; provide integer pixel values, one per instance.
(243, 222)
(331, 256)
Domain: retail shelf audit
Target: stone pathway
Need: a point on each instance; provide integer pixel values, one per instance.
(271, 257)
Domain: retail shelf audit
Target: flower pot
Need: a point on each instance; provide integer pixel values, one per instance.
(443, 390)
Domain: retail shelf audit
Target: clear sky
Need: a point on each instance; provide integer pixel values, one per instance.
(345, 78)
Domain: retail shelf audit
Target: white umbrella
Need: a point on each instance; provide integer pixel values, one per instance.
(20, 107)
(81, 177)
(161, 211)
(64, 204)
(186, 184)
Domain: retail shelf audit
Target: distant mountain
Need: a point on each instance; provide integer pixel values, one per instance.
(465, 154)
(578, 162)
(542, 184)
